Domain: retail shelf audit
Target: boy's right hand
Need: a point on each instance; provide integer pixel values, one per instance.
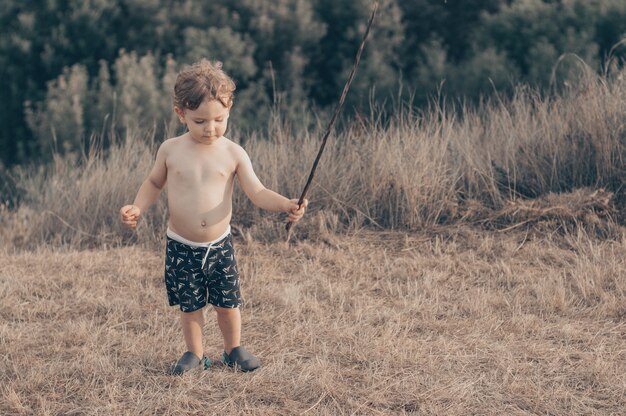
(130, 215)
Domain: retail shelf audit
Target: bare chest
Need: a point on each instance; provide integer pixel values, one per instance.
(195, 169)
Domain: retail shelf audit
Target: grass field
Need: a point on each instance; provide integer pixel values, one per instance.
(453, 321)
(466, 262)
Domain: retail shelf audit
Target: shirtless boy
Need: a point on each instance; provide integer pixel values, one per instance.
(199, 168)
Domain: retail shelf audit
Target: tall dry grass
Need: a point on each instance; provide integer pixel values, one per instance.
(413, 170)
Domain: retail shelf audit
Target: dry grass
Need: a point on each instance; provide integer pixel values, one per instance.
(412, 172)
(454, 322)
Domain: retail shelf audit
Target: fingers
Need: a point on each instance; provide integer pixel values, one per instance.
(132, 211)
(130, 215)
(131, 224)
(297, 211)
(295, 207)
(294, 218)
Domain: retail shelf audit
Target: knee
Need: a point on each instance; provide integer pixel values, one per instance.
(226, 311)
(195, 316)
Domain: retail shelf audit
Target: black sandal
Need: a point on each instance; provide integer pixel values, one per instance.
(242, 359)
(189, 361)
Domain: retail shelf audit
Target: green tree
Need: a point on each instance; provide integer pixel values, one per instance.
(533, 34)
(286, 55)
(59, 122)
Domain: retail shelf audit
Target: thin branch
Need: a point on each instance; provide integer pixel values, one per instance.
(335, 114)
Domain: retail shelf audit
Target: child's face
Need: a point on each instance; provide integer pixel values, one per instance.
(207, 123)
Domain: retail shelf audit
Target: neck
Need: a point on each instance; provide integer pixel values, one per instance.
(207, 142)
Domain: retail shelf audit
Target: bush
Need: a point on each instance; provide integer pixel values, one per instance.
(59, 122)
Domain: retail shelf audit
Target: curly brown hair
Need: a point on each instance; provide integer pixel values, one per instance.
(203, 81)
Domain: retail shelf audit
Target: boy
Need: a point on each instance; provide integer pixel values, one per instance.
(199, 168)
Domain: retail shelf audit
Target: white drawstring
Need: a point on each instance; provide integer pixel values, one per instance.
(171, 234)
(208, 249)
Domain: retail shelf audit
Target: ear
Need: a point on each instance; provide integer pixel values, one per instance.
(180, 113)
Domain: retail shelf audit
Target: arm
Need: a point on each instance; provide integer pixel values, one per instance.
(261, 196)
(148, 192)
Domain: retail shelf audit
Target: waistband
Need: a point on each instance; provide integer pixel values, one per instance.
(171, 234)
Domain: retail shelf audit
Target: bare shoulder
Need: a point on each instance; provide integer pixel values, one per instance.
(170, 147)
(164, 149)
(236, 151)
(171, 143)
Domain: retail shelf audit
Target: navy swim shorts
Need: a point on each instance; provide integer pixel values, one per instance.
(197, 274)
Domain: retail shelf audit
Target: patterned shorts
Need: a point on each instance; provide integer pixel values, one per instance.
(201, 274)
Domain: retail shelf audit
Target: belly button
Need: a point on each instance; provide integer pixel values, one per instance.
(203, 223)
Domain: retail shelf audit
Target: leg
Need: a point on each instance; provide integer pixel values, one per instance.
(225, 296)
(229, 321)
(192, 323)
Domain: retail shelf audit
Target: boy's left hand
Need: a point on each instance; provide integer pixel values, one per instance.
(295, 211)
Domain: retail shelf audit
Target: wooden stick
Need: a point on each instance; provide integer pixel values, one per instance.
(335, 114)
